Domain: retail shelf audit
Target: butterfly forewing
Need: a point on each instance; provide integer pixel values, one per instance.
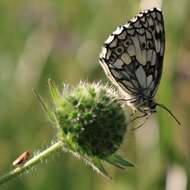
(132, 56)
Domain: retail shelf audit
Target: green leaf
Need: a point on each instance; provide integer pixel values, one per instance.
(55, 94)
(50, 114)
(97, 165)
(118, 161)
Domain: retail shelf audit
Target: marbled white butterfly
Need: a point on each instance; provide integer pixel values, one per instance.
(132, 57)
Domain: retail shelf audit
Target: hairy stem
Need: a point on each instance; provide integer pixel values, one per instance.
(33, 161)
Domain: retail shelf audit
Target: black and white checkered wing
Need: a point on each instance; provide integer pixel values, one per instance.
(132, 56)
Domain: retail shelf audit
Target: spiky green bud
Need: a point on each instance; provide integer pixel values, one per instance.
(91, 122)
(91, 125)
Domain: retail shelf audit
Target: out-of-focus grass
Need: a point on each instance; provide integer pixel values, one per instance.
(61, 39)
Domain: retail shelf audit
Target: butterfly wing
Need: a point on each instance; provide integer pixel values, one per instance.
(132, 56)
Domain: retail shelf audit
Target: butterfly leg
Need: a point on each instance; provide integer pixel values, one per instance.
(145, 114)
(126, 100)
(140, 124)
(131, 100)
(122, 99)
(138, 117)
(133, 113)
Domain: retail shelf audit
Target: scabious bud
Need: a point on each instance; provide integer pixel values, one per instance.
(91, 123)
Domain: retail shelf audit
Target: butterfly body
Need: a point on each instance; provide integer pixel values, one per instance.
(132, 58)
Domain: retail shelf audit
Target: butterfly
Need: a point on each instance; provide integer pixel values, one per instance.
(132, 58)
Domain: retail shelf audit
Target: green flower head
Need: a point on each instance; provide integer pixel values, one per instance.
(91, 123)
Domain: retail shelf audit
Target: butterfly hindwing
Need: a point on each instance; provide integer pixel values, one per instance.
(132, 56)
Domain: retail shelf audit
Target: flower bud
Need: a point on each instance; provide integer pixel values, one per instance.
(90, 121)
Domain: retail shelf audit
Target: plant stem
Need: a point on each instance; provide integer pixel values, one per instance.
(33, 161)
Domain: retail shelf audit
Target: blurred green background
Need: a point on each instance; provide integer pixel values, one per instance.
(61, 40)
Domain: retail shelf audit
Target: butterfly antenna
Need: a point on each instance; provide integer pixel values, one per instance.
(165, 108)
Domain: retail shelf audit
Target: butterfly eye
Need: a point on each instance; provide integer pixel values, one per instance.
(119, 50)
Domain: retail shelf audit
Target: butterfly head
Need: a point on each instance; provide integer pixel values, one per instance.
(147, 104)
(152, 105)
